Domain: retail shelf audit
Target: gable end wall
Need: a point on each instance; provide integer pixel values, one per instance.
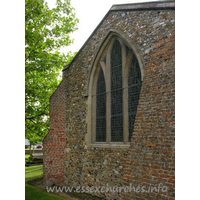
(150, 157)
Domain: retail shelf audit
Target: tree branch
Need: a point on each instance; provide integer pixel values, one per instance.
(43, 113)
(34, 48)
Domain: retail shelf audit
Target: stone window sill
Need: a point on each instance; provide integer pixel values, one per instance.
(120, 145)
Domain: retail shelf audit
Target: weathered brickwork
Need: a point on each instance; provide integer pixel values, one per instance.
(152, 151)
(150, 158)
(55, 141)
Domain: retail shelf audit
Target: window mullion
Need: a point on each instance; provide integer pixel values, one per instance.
(125, 94)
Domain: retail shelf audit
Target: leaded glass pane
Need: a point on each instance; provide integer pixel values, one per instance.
(101, 108)
(105, 59)
(134, 86)
(116, 94)
(127, 50)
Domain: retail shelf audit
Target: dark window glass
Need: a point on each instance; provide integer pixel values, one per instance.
(101, 108)
(116, 94)
(134, 86)
(127, 51)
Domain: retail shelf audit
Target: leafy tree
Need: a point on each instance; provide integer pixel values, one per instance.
(46, 31)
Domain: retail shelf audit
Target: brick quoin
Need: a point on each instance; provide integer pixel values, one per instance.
(55, 141)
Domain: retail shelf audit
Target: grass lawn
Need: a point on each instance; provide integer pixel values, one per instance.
(35, 193)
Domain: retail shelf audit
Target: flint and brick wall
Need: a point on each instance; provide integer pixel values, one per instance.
(150, 158)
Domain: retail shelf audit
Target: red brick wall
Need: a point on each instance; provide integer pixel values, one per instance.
(55, 141)
(152, 151)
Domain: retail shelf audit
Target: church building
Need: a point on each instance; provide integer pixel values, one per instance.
(112, 118)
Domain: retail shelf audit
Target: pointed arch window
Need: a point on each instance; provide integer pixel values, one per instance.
(116, 85)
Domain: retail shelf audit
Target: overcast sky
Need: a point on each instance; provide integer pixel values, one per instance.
(90, 13)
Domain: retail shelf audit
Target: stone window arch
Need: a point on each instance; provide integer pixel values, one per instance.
(113, 93)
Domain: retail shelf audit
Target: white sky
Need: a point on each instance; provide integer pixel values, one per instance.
(90, 13)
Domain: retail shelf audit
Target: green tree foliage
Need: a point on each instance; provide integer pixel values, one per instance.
(46, 31)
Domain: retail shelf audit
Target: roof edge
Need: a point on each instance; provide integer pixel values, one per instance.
(155, 5)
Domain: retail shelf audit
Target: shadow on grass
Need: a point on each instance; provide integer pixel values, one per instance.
(34, 188)
(33, 192)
